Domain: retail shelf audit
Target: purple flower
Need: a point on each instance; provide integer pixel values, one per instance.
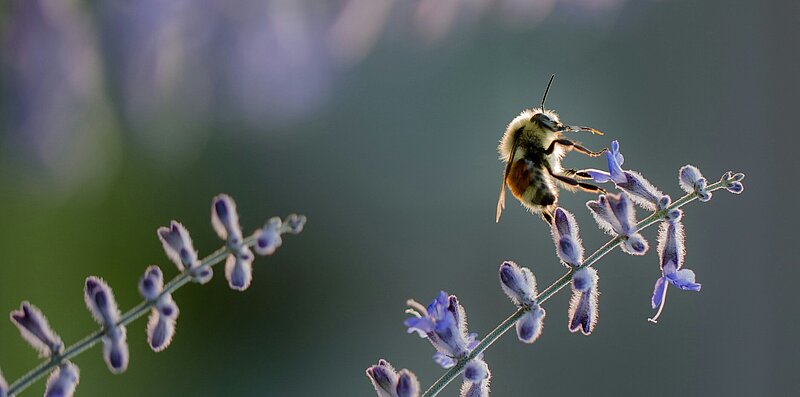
(615, 215)
(444, 324)
(239, 264)
(63, 381)
(671, 253)
(520, 286)
(529, 326)
(35, 329)
(390, 383)
(163, 316)
(476, 379)
(518, 283)
(565, 236)
(641, 190)
(733, 182)
(178, 247)
(101, 303)
(268, 238)
(583, 305)
(692, 181)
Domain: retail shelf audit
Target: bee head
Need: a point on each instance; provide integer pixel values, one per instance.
(547, 120)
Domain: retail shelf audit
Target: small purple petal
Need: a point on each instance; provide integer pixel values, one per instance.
(635, 244)
(225, 219)
(239, 269)
(598, 176)
(476, 371)
(735, 188)
(444, 360)
(565, 235)
(658, 292)
(684, 279)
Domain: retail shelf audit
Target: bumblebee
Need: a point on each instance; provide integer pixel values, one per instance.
(532, 148)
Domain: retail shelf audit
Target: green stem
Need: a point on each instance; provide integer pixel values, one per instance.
(130, 316)
(558, 285)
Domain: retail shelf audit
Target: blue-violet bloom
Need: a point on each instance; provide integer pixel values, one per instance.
(101, 303)
(565, 236)
(35, 329)
(615, 215)
(520, 286)
(476, 379)
(671, 253)
(239, 264)
(63, 381)
(444, 324)
(583, 305)
(180, 250)
(641, 190)
(164, 314)
(390, 383)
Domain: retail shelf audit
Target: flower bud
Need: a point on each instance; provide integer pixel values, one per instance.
(529, 326)
(565, 236)
(63, 381)
(518, 283)
(35, 329)
(583, 305)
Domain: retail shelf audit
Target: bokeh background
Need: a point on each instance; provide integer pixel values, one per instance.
(379, 121)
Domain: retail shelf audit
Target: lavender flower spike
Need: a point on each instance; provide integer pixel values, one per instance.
(615, 215)
(163, 316)
(63, 381)
(565, 236)
(239, 264)
(101, 303)
(476, 379)
(641, 190)
(444, 324)
(178, 247)
(583, 305)
(35, 329)
(3, 386)
(671, 253)
(389, 383)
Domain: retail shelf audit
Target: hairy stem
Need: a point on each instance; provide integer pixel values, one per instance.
(128, 317)
(558, 285)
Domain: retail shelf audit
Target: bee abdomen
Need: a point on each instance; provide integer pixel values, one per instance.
(530, 185)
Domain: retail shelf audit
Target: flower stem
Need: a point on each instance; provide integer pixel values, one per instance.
(130, 316)
(559, 284)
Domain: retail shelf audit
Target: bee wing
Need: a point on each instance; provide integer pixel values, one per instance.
(501, 202)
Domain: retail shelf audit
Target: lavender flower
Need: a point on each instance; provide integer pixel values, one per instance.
(520, 286)
(269, 237)
(35, 329)
(615, 215)
(239, 264)
(178, 247)
(444, 324)
(3, 386)
(565, 236)
(671, 252)
(692, 181)
(101, 303)
(583, 305)
(63, 381)
(476, 379)
(733, 182)
(164, 314)
(641, 190)
(390, 383)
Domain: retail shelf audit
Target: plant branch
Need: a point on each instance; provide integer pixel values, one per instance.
(558, 285)
(130, 316)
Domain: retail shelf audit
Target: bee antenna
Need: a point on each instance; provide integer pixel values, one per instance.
(552, 76)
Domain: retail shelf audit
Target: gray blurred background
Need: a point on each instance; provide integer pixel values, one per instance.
(379, 120)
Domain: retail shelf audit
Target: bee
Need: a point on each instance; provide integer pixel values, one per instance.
(532, 148)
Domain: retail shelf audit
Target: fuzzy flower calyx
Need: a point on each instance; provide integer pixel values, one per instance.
(101, 303)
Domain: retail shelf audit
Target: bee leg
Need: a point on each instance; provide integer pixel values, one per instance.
(572, 182)
(548, 216)
(577, 173)
(572, 145)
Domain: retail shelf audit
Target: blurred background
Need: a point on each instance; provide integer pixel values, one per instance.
(379, 120)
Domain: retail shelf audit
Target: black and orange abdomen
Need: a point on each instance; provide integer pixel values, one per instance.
(529, 184)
